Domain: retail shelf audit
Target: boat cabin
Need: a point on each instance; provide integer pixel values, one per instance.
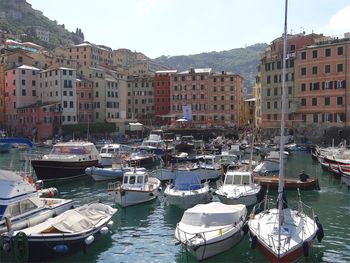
(238, 178)
(115, 148)
(135, 179)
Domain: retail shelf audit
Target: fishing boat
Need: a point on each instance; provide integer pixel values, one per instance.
(266, 167)
(210, 229)
(187, 190)
(185, 144)
(66, 160)
(143, 158)
(239, 188)
(283, 234)
(289, 183)
(68, 232)
(137, 187)
(210, 166)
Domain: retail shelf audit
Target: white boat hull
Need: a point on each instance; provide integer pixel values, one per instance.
(187, 198)
(247, 200)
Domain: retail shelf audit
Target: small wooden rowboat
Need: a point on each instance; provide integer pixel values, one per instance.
(289, 183)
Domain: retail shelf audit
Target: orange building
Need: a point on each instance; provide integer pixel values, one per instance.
(323, 83)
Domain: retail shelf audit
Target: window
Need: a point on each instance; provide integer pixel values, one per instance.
(327, 52)
(327, 101)
(327, 69)
(314, 101)
(339, 67)
(268, 104)
(339, 100)
(303, 55)
(268, 92)
(268, 79)
(23, 82)
(340, 51)
(24, 93)
(275, 104)
(315, 117)
(303, 117)
(275, 92)
(303, 71)
(314, 70)
(314, 54)
(303, 87)
(290, 90)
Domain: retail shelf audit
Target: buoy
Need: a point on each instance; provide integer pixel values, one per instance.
(89, 240)
(306, 249)
(253, 241)
(110, 224)
(61, 248)
(104, 230)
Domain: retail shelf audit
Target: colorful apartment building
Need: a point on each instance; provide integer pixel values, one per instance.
(323, 84)
(140, 98)
(206, 97)
(85, 100)
(162, 105)
(87, 54)
(270, 77)
(58, 85)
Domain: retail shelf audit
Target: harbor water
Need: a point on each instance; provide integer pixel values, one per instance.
(145, 233)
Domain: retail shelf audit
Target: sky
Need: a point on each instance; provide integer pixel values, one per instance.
(185, 27)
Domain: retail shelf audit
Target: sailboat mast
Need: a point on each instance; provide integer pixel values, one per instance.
(283, 113)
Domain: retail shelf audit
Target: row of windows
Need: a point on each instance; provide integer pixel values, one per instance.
(327, 53)
(278, 65)
(327, 69)
(141, 93)
(336, 84)
(327, 101)
(275, 91)
(143, 84)
(201, 77)
(64, 73)
(324, 117)
(278, 78)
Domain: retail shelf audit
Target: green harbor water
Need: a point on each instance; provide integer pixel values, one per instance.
(145, 233)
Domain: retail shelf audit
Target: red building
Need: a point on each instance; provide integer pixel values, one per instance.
(162, 96)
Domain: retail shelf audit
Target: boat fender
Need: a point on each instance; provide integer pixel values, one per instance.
(319, 232)
(122, 192)
(306, 249)
(245, 228)
(253, 240)
(159, 189)
(104, 230)
(110, 224)
(61, 248)
(21, 247)
(89, 240)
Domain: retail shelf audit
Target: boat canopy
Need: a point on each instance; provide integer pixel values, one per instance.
(188, 182)
(213, 214)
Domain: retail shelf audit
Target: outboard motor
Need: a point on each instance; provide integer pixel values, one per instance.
(39, 184)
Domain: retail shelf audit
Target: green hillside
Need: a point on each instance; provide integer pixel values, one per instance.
(242, 61)
(18, 18)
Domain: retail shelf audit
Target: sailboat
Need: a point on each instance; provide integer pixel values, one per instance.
(281, 233)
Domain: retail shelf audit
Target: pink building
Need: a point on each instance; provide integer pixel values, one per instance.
(211, 98)
(85, 100)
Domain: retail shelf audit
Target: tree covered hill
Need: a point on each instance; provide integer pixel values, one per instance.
(19, 19)
(242, 61)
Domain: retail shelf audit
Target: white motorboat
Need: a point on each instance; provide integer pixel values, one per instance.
(137, 187)
(109, 152)
(283, 234)
(21, 205)
(187, 190)
(210, 229)
(210, 166)
(68, 232)
(66, 160)
(170, 172)
(238, 188)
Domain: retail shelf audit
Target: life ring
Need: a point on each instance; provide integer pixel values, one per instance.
(306, 249)
(21, 247)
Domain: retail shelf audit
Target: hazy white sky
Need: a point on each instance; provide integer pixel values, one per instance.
(183, 27)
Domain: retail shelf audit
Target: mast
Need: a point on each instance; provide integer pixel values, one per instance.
(283, 112)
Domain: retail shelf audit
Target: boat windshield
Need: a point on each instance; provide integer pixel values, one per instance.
(2, 211)
(80, 150)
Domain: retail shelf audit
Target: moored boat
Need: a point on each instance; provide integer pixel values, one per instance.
(66, 160)
(137, 187)
(68, 232)
(289, 183)
(210, 229)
